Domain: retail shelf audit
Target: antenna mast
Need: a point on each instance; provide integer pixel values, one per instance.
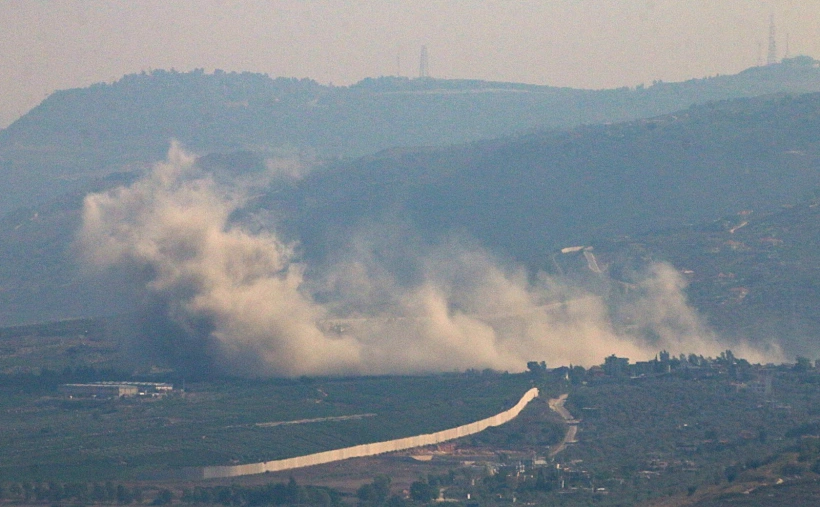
(424, 71)
(772, 56)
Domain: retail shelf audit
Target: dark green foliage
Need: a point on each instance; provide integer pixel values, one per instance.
(791, 469)
(76, 492)
(289, 493)
(810, 428)
(381, 487)
(366, 494)
(537, 369)
(375, 493)
(397, 501)
(803, 364)
(15, 490)
(731, 473)
(110, 491)
(423, 492)
(124, 495)
(164, 497)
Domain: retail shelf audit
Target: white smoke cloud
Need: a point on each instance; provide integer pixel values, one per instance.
(658, 311)
(462, 309)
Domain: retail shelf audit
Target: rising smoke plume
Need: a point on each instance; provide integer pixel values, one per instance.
(242, 301)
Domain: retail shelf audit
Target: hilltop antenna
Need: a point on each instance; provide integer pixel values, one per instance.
(786, 54)
(771, 59)
(424, 71)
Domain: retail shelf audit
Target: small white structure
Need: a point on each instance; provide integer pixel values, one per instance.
(116, 389)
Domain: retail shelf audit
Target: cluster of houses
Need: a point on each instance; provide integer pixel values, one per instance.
(755, 377)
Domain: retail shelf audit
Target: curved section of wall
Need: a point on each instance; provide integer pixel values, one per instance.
(360, 451)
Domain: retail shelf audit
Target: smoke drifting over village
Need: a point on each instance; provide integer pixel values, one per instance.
(245, 302)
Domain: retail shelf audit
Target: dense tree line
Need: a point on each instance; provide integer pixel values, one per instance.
(51, 492)
(48, 378)
(289, 493)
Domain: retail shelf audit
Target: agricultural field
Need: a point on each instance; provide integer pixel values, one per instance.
(679, 436)
(50, 437)
(82, 344)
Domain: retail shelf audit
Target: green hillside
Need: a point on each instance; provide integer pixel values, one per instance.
(521, 197)
(76, 135)
(526, 196)
(753, 275)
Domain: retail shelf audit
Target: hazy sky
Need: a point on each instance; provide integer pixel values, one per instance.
(49, 45)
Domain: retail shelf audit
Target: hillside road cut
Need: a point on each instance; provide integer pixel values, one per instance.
(557, 405)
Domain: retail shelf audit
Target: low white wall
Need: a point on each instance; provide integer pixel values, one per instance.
(360, 451)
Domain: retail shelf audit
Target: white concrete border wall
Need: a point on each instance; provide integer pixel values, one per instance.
(360, 451)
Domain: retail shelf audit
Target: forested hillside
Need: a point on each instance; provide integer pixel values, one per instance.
(76, 135)
(527, 196)
(751, 274)
(522, 198)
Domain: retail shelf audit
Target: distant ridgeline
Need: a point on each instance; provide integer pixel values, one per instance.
(86, 132)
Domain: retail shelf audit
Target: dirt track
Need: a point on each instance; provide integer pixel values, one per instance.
(557, 405)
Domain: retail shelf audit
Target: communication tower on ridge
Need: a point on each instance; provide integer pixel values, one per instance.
(424, 71)
(771, 59)
(786, 53)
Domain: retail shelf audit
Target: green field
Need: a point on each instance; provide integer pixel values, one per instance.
(688, 436)
(48, 437)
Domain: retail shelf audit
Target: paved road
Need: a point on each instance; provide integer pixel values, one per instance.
(557, 405)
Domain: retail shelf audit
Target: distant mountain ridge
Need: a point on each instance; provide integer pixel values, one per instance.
(76, 135)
